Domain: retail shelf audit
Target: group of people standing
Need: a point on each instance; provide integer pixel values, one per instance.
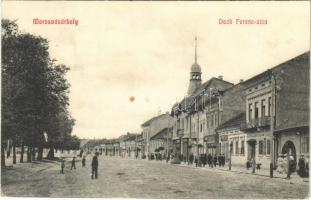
(211, 160)
(83, 161)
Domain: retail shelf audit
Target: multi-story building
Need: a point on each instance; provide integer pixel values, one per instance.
(162, 141)
(153, 126)
(205, 107)
(277, 111)
(232, 137)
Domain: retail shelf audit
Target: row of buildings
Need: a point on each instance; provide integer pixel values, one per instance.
(262, 118)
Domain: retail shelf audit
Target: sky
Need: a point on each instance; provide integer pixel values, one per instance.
(131, 60)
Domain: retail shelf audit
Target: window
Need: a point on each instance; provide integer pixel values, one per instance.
(305, 145)
(242, 147)
(263, 108)
(207, 122)
(215, 120)
(236, 147)
(260, 146)
(212, 120)
(268, 147)
(256, 110)
(201, 127)
(269, 106)
(220, 104)
(187, 122)
(250, 111)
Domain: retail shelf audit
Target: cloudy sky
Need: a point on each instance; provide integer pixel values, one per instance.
(145, 50)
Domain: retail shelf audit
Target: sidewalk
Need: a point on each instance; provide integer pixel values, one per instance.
(294, 178)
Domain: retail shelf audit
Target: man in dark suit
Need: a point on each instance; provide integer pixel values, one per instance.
(95, 166)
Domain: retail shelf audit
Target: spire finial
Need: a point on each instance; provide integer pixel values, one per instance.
(195, 56)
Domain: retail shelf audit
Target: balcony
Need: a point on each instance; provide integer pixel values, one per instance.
(256, 123)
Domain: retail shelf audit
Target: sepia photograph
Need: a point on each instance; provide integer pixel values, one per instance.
(155, 100)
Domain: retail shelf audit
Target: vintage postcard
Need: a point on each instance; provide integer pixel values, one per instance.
(155, 100)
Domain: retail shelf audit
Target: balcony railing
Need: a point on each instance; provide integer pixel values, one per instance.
(256, 123)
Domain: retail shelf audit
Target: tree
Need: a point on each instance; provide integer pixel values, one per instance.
(34, 93)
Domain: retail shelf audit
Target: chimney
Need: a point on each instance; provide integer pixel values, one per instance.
(241, 80)
(220, 77)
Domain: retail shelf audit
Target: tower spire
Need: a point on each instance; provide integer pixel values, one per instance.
(195, 56)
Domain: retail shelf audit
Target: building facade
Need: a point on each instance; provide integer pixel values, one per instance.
(153, 126)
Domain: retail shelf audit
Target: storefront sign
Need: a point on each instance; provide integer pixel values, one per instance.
(210, 139)
(224, 138)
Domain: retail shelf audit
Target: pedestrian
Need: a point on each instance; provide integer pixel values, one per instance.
(62, 165)
(209, 160)
(301, 165)
(191, 159)
(223, 160)
(83, 161)
(204, 159)
(73, 163)
(196, 161)
(215, 160)
(219, 160)
(95, 166)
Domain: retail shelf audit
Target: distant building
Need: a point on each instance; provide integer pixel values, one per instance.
(162, 141)
(152, 126)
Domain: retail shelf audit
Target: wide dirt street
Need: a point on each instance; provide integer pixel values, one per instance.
(142, 179)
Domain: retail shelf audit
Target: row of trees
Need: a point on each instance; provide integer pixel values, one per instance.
(34, 96)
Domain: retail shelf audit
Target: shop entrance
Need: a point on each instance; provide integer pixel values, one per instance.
(289, 147)
(251, 149)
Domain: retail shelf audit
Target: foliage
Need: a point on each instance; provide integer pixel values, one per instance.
(34, 92)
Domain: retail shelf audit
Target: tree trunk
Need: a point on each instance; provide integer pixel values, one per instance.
(22, 154)
(2, 156)
(50, 154)
(14, 152)
(40, 153)
(28, 154)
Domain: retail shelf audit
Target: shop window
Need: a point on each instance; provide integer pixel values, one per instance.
(268, 147)
(236, 147)
(260, 147)
(242, 147)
